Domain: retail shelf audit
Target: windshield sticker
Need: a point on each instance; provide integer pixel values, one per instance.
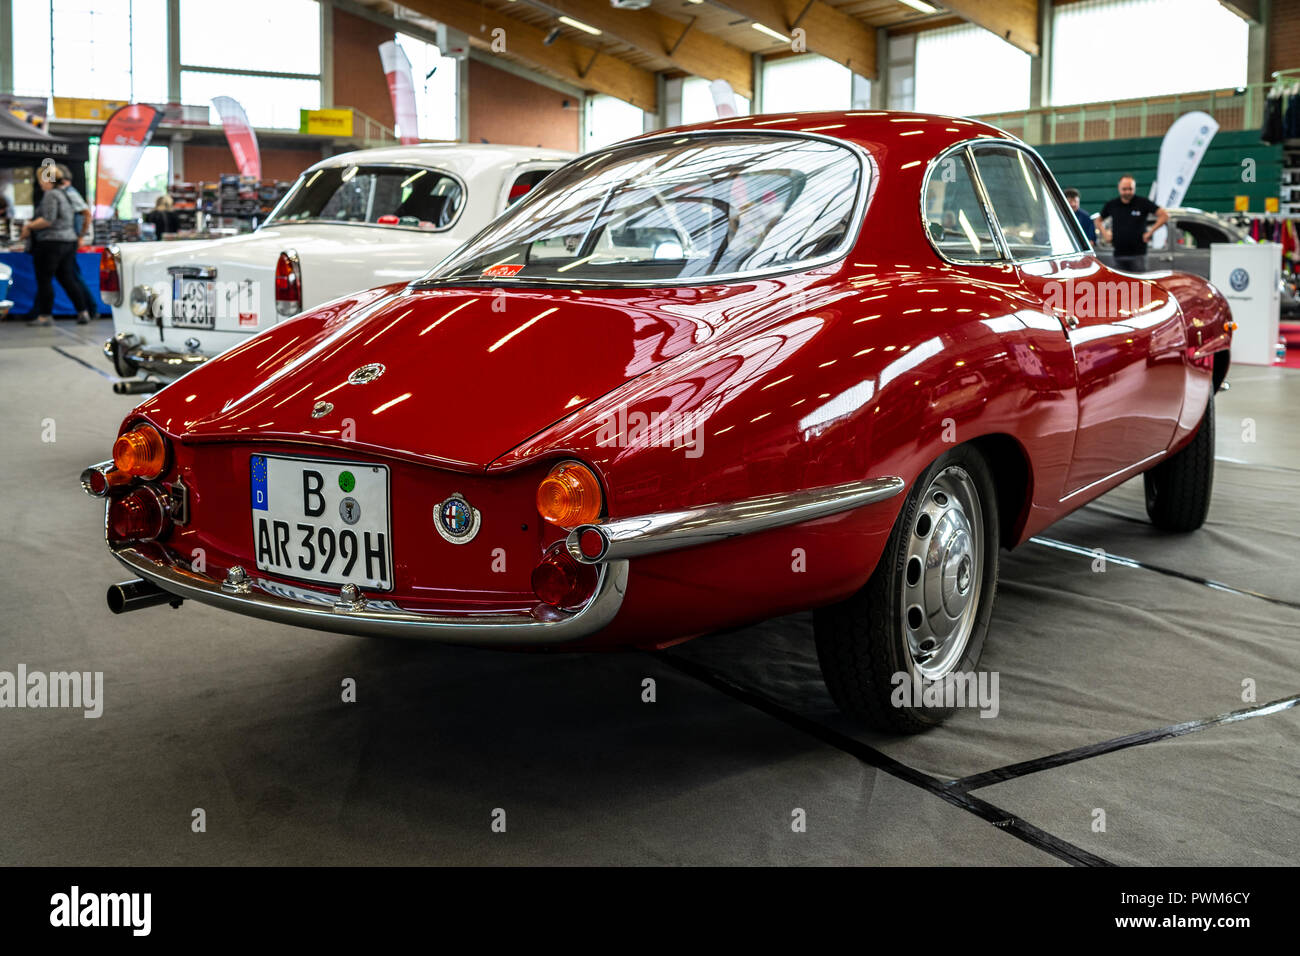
(502, 271)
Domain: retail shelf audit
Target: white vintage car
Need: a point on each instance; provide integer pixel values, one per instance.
(351, 222)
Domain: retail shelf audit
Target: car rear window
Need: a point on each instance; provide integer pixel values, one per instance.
(702, 206)
(379, 195)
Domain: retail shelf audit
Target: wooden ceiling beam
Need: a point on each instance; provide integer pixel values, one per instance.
(1015, 21)
(688, 48)
(827, 31)
(566, 59)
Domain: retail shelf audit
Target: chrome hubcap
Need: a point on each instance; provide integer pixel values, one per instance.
(943, 574)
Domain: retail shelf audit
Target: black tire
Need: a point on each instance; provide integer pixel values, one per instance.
(862, 642)
(1178, 489)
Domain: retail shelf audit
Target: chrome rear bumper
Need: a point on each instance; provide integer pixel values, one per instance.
(130, 358)
(381, 618)
(349, 611)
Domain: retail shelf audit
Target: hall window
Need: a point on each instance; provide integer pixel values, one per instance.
(1105, 50)
(610, 119)
(104, 49)
(799, 83)
(697, 101)
(265, 55)
(966, 71)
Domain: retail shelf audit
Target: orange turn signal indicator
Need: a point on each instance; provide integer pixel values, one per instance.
(141, 452)
(570, 495)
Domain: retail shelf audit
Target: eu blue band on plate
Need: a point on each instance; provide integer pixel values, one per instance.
(257, 466)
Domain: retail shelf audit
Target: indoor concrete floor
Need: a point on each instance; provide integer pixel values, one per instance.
(1121, 692)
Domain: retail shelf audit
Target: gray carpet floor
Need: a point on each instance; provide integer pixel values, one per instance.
(243, 719)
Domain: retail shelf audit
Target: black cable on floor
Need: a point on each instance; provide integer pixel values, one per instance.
(93, 368)
(1007, 822)
(1012, 771)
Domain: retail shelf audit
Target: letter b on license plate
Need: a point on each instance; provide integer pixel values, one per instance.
(322, 521)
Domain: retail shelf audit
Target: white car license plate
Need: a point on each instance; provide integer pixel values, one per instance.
(194, 303)
(324, 521)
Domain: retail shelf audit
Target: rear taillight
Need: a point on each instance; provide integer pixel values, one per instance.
(141, 452)
(561, 581)
(139, 516)
(288, 284)
(110, 275)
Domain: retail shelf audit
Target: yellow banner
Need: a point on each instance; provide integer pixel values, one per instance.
(75, 107)
(325, 122)
(1241, 203)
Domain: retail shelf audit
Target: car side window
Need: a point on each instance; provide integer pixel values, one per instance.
(524, 183)
(1033, 223)
(954, 216)
(1198, 235)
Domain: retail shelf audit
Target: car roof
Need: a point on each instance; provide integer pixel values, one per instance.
(865, 128)
(460, 158)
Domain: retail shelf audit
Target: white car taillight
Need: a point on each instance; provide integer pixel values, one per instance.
(288, 284)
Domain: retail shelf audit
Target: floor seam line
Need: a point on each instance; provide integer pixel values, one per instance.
(1123, 561)
(1000, 819)
(1139, 738)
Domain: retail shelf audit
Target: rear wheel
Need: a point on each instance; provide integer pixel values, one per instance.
(1178, 489)
(924, 612)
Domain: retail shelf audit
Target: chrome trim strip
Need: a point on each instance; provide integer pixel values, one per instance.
(1128, 472)
(190, 271)
(264, 599)
(670, 530)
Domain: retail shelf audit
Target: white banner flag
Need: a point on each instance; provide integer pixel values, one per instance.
(724, 98)
(1180, 155)
(397, 68)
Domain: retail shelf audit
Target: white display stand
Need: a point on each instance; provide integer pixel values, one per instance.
(1248, 275)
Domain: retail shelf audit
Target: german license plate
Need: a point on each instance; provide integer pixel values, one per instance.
(194, 303)
(323, 521)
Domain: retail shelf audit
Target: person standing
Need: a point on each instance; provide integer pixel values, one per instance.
(1085, 218)
(80, 209)
(1127, 214)
(163, 217)
(54, 247)
(80, 293)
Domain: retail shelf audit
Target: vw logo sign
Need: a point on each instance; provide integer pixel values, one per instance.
(1239, 279)
(367, 373)
(456, 519)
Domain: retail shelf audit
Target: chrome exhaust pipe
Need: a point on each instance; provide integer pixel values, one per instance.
(138, 593)
(135, 386)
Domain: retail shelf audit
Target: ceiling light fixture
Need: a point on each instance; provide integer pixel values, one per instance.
(772, 33)
(920, 5)
(552, 36)
(579, 25)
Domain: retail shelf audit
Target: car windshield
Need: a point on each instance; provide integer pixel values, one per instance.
(380, 195)
(699, 206)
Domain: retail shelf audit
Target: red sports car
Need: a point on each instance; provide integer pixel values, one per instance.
(694, 380)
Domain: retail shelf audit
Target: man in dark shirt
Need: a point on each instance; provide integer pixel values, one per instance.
(1128, 218)
(1084, 217)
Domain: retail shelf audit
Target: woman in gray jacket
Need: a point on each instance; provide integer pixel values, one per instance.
(54, 251)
